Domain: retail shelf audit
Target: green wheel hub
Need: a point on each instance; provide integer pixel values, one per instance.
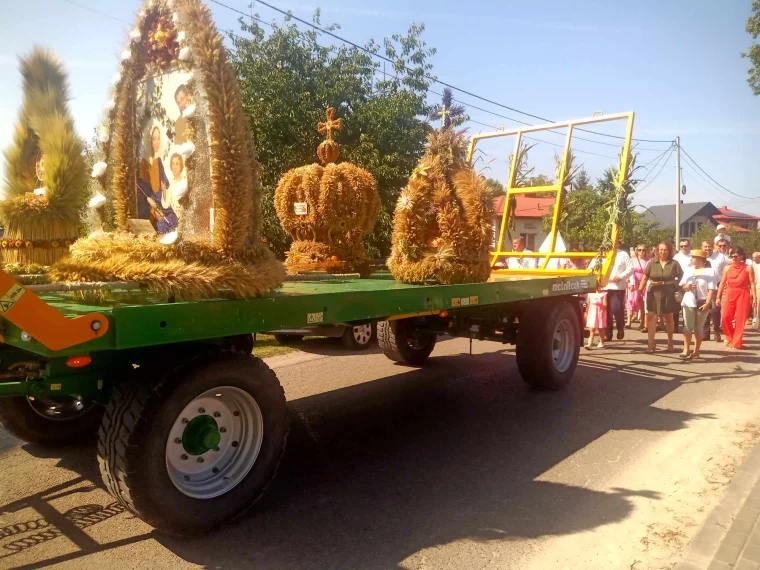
(201, 435)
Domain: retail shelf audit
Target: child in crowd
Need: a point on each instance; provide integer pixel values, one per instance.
(596, 316)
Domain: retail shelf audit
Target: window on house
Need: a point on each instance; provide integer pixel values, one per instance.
(530, 241)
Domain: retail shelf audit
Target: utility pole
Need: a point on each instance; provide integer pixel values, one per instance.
(678, 190)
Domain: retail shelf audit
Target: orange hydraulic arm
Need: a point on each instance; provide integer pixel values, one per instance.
(42, 322)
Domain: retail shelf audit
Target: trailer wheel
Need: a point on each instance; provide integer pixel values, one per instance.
(401, 343)
(548, 345)
(288, 339)
(358, 337)
(199, 447)
(50, 422)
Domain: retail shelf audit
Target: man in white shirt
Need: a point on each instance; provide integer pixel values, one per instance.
(616, 286)
(717, 263)
(683, 257)
(518, 244)
(721, 229)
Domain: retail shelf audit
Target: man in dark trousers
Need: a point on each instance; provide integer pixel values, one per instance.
(616, 286)
(717, 262)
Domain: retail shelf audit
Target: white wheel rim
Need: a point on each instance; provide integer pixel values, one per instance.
(240, 428)
(363, 333)
(562, 346)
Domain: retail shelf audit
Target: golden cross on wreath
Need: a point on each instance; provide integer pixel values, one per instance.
(330, 124)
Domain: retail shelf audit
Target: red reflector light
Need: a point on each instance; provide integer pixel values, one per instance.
(78, 361)
(443, 314)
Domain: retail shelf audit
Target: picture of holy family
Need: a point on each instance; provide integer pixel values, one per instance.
(161, 176)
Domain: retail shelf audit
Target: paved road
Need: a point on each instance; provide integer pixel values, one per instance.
(457, 465)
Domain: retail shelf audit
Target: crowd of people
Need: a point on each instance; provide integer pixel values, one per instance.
(707, 292)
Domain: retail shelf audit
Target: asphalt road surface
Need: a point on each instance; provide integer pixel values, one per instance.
(455, 465)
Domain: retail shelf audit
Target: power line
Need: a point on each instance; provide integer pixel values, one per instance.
(94, 11)
(429, 77)
(656, 175)
(694, 162)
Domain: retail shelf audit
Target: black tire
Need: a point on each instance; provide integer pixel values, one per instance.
(359, 337)
(397, 341)
(19, 416)
(537, 361)
(288, 339)
(138, 420)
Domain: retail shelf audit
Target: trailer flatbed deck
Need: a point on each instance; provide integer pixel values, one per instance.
(142, 319)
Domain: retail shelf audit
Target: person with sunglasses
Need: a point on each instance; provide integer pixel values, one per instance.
(717, 261)
(738, 283)
(683, 257)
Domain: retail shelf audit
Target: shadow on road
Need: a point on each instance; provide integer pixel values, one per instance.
(457, 450)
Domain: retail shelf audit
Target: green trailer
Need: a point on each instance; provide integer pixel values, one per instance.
(190, 425)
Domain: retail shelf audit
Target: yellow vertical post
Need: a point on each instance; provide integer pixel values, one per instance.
(625, 157)
(507, 201)
(558, 200)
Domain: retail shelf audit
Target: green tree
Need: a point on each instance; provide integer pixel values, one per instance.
(494, 188)
(288, 78)
(753, 54)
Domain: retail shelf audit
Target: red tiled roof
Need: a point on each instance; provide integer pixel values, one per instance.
(527, 206)
(727, 214)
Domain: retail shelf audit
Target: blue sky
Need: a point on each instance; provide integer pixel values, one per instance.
(676, 63)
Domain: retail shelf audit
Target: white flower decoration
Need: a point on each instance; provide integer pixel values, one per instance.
(170, 4)
(126, 55)
(103, 134)
(187, 149)
(39, 191)
(116, 78)
(184, 53)
(110, 104)
(179, 189)
(188, 76)
(98, 169)
(169, 238)
(135, 34)
(97, 201)
(189, 110)
(175, 17)
(181, 36)
(404, 201)
(141, 13)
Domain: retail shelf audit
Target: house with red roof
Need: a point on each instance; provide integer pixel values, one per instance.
(736, 221)
(528, 213)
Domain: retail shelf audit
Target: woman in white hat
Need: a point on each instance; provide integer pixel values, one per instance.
(698, 285)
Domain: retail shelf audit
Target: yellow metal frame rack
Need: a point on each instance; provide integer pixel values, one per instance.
(557, 189)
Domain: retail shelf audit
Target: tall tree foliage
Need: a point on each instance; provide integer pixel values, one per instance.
(753, 54)
(289, 77)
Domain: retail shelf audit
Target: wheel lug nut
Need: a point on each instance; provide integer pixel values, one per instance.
(223, 430)
(184, 420)
(183, 457)
(201, 410)
(215, 470)
(177, 440)
(234, 444)
(201, 460)
(235, 413)
(216, 449)
(187, 477)
(217, 415)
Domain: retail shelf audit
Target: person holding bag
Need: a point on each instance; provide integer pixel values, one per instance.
(664, 274)
(698, 284)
